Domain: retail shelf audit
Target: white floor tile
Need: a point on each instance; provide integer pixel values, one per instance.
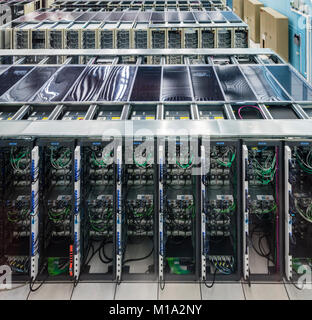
(137, 291)
(180, 291)
(296, 294)
(20, 293)
(96, 265)
(223, 291)
(139, 250)
(52, 291)
(94, 291)
(265, 291)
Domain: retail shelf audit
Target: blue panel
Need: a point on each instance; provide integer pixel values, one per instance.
(216, 16)
(89, 84)
(231, 17)
(291, 82)
(234, 85)
(58, 85)
(264, 85)
(26, 88)
(118, 84)
(297, 54)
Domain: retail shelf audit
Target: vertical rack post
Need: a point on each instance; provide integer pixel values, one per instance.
(161, 212)
(77, 213)
(203, 214)
(119, 213)
(288, 219)
(34, 212)
(245, 213)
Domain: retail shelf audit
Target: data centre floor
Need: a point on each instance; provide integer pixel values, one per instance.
(151, 291)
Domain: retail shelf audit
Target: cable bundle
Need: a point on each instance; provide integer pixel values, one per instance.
(16, 159)
(265, 173)
(63, 161)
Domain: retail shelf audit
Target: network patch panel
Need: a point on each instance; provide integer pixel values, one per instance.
(148, 196)
(140, 5)
(125, 30)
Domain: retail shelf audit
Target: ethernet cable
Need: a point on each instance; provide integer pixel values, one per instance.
(59, 163)
(56, 217)
(305, 165)
(15, 161)
(186, 166)
(306, 215)
(100, 163)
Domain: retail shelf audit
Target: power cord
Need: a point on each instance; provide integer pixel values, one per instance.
(209, 286)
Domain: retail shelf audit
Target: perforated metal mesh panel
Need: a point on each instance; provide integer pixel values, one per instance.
(21, 39)
(55, 41)
(72, 39)
(123, 39)
(208, 39)
(241, 39)
(141, 39)
(106, 40)
(38, 39)
(224, 38)
(89, 40)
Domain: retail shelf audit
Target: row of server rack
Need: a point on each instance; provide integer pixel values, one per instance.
(126, 29)
(13, 9)
(154, 189)
(158, 5)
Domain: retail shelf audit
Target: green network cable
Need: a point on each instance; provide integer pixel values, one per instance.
(147, 212)
(59, 163)
(58, 216)
(175, 267)
(229, 163)
(185, 166)
(15, 161)
(100, 163)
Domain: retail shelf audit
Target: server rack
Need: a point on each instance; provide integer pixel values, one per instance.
(297, 205)
(220, 210)
(139, 227)
(124, 30)
(99, 202)
(62, 218)
(19, 207)
(218, 114)
(263, 208)
(140, 5)
(178, 210)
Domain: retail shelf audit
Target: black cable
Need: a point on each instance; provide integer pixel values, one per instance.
(103, 251)
(162, 284)
(109, 260)
(209, 286)
(32, 281)
(295, 284)
(139, 259)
